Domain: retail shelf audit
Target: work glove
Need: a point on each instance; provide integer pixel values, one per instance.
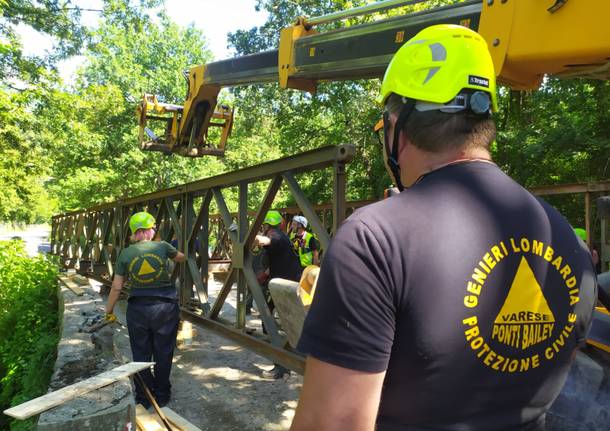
(110, 317)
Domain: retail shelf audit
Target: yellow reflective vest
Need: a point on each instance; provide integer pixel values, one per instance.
(301, 246)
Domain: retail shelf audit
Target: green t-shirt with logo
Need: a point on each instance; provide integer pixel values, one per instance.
(145, 264)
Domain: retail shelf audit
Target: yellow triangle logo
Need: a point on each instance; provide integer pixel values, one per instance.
(146, 268)
(525, 318)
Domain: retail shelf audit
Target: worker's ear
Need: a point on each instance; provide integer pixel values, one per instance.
(403, 142)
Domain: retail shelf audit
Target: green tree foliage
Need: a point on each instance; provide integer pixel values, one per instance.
(72, 147)
(28, 328)
(90, 130)
(56, 18)
(83, 138)
(558, 134)
(339, 112)
(555, 135)
(23, 165)
(562, 129)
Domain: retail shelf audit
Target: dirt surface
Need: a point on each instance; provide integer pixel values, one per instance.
(218, 385)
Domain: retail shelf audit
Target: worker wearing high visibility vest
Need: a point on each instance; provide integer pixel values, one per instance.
(304, 243)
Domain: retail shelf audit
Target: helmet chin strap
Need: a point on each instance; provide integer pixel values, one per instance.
(392, 153)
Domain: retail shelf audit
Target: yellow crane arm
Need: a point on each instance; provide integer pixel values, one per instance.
(528, 39)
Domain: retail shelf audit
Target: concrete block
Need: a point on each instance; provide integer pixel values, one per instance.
(289, 307)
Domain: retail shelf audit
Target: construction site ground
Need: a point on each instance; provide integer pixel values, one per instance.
(216, 384)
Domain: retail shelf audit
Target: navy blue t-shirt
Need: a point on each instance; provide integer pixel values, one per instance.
(470, 292)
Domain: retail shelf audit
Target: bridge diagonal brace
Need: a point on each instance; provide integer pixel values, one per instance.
(272, 190)
(224, 212)
(173, 217)
(196, 275)
(222, 295)
(307, 209)
(202, 216)
(263, 309)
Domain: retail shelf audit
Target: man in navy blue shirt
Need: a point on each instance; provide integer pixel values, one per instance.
(458, 303)
(283, 263)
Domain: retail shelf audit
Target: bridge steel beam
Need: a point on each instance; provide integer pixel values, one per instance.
(92, 239)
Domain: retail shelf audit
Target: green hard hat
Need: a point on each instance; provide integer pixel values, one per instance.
(273, 218)
(141, 220)
(581, 233)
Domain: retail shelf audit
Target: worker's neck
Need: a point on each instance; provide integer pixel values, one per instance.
(416, 162)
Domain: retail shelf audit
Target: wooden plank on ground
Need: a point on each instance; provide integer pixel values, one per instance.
(147, 421)
(75, 288)
(177, 420)
(81, 280)
(53, 399)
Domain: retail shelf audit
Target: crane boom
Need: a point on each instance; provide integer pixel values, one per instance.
(527, 39)
(356, 52)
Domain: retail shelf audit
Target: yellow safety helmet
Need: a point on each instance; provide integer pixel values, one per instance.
(437, 63)
(273, 218)
(141, 220)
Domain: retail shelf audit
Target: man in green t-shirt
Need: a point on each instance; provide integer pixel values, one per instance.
(152, 312)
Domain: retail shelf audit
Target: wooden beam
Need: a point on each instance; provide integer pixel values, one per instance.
(70, 284)
(54, 399)
(80, 280)
(559, 189)
(178, 421)
(146, 421)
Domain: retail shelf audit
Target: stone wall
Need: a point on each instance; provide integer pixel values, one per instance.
(81, 355)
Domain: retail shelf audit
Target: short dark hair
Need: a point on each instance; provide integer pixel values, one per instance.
(436, 131)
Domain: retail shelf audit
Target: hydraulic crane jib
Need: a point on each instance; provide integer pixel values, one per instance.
(527, 39)
(164, 128)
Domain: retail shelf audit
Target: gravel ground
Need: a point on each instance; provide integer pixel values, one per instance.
(218, 385)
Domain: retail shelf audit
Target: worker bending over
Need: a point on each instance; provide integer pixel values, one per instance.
(458, 303)
(152, 311)
(305, 244)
